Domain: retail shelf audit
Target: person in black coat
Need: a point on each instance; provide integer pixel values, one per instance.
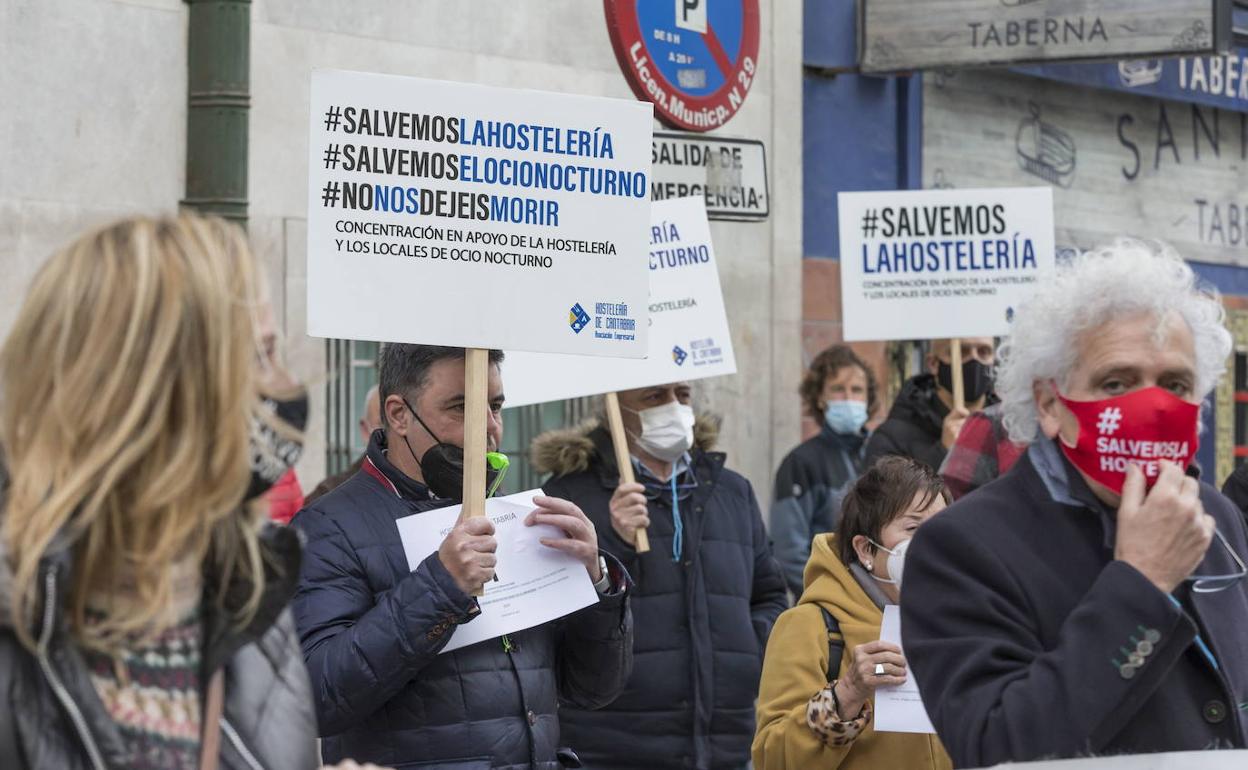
(1236, 488)
(706, 594)
(839, 391)
(372, 628)
(922, 423)
(1092, 601)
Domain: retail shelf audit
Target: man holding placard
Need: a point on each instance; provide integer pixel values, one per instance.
(924, 421)
(372, 629)
(945, 265)
(707, 592)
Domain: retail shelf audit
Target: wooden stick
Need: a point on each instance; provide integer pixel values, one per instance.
(476, 398)
(955, 362)
(622, 459)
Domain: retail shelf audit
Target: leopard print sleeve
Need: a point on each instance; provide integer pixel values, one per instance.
(822, 719)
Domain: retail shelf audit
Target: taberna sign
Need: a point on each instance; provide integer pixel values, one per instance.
(898, 35)
(730, 175)
(694, 59)
(1219, 80)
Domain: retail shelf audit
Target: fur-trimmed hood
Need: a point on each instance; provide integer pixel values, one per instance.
(571, 450)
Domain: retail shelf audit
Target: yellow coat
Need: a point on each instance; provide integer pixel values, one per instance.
(796, 668)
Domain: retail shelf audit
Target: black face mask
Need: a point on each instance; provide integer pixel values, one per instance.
(976, 379)
(273, 452)
(443, 465)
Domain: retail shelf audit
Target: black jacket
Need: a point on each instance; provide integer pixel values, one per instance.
(1021, 628)
(330, 483)
(51, 716)
(702, 624)
(810, 485)
(1236, 488)
(372, 629)
(914, 425)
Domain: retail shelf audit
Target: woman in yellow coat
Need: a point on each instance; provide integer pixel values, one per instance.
(825, 658)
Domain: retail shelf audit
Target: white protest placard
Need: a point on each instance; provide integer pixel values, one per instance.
(689, 336)
(536, 584)
(478, 217)
(931, 264)
(899, 709)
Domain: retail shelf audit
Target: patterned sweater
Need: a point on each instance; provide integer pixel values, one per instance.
(152, 688)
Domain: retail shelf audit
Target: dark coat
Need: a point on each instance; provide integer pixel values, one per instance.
(1018, 623)
(330, 483)
(914, 425)
(1236, 488)
(267, 721)
(810, 485)
(702, 624)
(372, 629)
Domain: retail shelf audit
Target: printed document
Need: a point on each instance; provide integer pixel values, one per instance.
(899, 709)
(536, 584)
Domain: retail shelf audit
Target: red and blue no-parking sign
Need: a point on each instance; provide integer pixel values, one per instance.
(694, 59)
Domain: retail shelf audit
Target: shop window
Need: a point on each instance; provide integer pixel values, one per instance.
(352, 366)
(523, 424)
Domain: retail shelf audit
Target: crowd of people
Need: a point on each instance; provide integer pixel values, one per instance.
(158, 611)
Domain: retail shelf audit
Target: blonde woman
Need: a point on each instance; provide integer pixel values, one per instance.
(142, 612)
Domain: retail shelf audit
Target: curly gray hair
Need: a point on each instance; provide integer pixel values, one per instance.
(1095, 287)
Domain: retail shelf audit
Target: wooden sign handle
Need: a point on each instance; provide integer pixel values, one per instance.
(955, 363)
(622, 459)
(476, 402)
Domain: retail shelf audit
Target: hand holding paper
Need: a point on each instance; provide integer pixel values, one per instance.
(580, 540)
(864, 674)
(542, 574)
(899, 709)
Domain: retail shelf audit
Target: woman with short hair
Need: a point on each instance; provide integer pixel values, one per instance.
(825, 658)
(142, 611)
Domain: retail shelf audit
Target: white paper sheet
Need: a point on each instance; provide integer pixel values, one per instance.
(899, 709)
(536, 584)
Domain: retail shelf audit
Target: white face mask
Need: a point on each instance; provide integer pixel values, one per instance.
(896, 562)
(666, 431)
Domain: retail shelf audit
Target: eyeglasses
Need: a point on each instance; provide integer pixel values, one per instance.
(1209, 584)
(686, 483)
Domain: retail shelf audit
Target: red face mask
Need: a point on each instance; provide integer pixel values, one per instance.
(1142, 427)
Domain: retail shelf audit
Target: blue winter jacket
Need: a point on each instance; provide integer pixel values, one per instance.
(702, 622)
(810, 485)
(372, 629)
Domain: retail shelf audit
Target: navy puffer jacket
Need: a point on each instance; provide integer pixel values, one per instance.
(702, 622)
(371, 630)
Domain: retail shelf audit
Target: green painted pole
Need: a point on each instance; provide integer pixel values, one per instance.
(218, 101)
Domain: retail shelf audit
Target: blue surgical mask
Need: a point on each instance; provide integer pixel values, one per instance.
(846, 417)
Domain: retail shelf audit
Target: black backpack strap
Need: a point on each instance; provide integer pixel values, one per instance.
(836, 644)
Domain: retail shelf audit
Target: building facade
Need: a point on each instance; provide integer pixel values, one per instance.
(97, 128)
(1154, 148)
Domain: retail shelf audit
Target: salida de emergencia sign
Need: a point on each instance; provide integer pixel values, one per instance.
(465, 215)
(729, 174)
(689, 336)
(930, 264)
